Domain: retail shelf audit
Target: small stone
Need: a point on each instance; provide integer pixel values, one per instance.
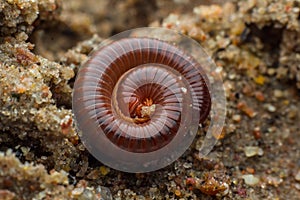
(77, 191)
(250, 170)
(272, 129)
(6, 194)
(25, 150)
(251, 151)
(238, 28)
(296, 10)
(177, 193)
(260, 80)
(250, 179)
(274, 181)
(43, 157)
(236, 118)
(297, 177)
(104, 170)
(278, 93)
(103, 193)
(270, 108)
(231, 128)
(271, 71)
(259, 96)
(187, 165)
(94, 174)
(232, 76)
(286, 132)
(293, 112)
(246, 109)
(257, 133)
(247, 90)
(226, 191)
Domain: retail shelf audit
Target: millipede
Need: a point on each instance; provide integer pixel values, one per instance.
(138, 102)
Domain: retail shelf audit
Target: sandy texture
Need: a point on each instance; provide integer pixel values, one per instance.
(256, 43)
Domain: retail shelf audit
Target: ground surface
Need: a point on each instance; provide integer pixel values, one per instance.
(255, 43)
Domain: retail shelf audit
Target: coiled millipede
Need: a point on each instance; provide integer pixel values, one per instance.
(138, 100)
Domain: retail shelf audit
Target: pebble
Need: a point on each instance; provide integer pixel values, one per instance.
(77, 191)
(187, 165)
(270, 108)
(293, 112)
(253, 151)
(232, 76)
(295, 10)
(104, 170)
(87, 194)
(278, 93)
(257, 133)
(271, 71)
(297, 177)
(177, 193)
(246, 109)
(274, 181)
(297, 186)
(260, 80)
(104, 193)
(236, 118)
(250, 179)
(259, 96)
